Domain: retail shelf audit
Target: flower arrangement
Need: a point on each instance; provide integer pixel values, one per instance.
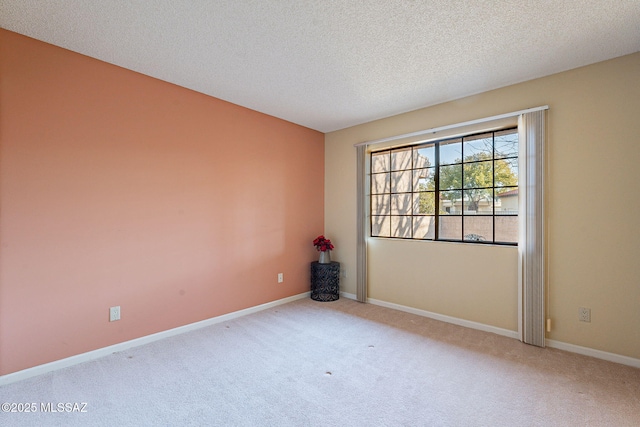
(322, 244)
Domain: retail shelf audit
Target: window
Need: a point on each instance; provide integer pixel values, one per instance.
(462, 189)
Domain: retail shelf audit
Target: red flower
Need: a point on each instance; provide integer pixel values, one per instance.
(322, 244)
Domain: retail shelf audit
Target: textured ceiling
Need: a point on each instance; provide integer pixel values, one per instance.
(330, 64)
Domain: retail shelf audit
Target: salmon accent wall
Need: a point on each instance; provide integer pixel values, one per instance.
(120, 189)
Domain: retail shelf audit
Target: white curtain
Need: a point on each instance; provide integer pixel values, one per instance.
(531, 246)
(361, 251)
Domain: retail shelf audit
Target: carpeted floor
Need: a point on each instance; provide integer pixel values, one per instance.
(338, 363)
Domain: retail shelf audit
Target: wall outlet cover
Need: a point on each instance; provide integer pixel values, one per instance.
(584, 314)
(114, 313)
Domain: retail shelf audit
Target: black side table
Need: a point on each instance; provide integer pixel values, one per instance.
(325, 281)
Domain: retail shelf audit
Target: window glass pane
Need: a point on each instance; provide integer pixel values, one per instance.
(450, 177)
(451, 202)
(478, 228)
(380, 183)
(401, 226)
(401, 159)
(401, 181)
(380, 205)
(478, 147)
(478, 174)
(401, 204)
(506, 229)
(380, 162)
(451, 152)
(506, 172)
(380, 226)
(506, 143)
(477, 189)
(424, 203)
(478, 201)
(424, 179)
(507, 201)
(424, 227)
(424, 156)
(450, 227)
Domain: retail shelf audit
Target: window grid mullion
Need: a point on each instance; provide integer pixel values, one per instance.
(390, 199)
(493, 185)
(436, 195)
(412, 196)
(462, 186)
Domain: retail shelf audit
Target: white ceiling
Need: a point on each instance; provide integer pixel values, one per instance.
(331, 64)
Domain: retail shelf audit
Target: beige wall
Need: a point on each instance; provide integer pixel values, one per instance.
(592, 209)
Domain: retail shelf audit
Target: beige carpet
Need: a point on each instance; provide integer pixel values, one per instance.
(338, 363)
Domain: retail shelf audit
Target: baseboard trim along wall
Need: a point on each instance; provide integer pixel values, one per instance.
(105, 351)
(598, 354)
(585, 351)
(447, 319)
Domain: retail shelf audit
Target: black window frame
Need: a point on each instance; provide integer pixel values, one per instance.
(464, 162)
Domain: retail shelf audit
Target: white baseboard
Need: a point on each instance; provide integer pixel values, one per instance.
(105, 351)
(349, 296)
(586, 351)
(447, 319)
(598, 354)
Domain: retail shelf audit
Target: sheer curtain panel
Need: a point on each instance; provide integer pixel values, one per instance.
(532, 235)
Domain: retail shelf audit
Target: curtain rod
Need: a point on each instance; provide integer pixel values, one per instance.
(457, 125)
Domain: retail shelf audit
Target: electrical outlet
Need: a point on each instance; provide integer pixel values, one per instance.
(343, 273)
(280, 277)
(584, 314)
(114, 313)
